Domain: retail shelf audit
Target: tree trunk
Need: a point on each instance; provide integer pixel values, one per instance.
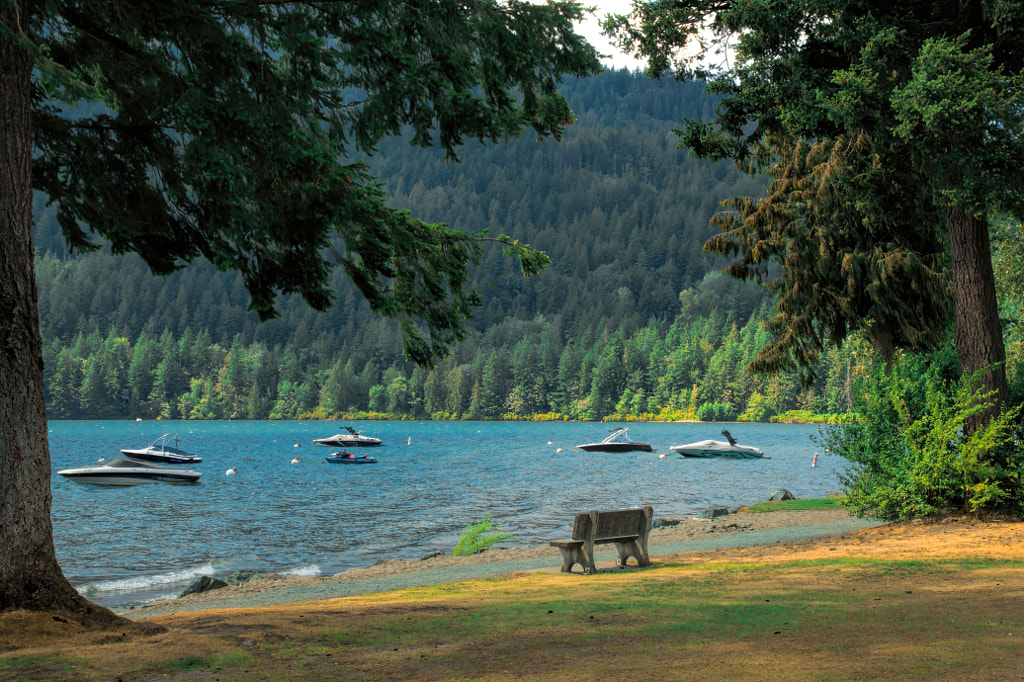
(979, 336)
(29, 575)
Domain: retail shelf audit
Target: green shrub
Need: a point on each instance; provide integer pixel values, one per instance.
(480, 536)
(909, 451)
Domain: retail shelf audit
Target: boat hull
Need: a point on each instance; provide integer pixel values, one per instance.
(713, 449)
(127, 478)
(351, 460)
(715, 454)
(168, 456)
(349, 442)
(615, 447)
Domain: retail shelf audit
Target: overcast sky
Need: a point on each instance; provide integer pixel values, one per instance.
(591, 29)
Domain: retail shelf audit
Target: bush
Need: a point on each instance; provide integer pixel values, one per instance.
(909, 451)
(480, 536)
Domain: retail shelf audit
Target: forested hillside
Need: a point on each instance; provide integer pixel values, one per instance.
(624, 322)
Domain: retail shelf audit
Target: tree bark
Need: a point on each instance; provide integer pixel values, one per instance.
(979, 336)
(29, 575)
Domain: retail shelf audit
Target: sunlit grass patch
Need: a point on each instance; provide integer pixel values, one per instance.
(796, 505)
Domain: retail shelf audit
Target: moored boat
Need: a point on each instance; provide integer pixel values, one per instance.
(349, 458)
(618, 441)
(708, 449)
(124, 472)
(347, 440)
(161, 451)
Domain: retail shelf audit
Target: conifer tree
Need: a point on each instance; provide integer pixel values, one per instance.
(228, 133)
(915, 120)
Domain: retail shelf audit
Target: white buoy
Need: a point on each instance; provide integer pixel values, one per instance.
(231, 472)
(663, 455)
(103, 459)
(558, 450)
(296, 446)
(814, 462)
(549, 442)
(295, 461)
(409, 442)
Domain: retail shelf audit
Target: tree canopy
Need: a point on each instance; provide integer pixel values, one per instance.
(891, 132)
(228, 130)
(235, 132)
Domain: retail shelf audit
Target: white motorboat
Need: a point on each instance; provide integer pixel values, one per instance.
(716, 448)
(123, 472)
(161, 451)
(349, 440)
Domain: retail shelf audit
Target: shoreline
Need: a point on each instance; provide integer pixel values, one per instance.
(687, 535)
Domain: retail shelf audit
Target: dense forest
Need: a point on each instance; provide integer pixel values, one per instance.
(631, 320)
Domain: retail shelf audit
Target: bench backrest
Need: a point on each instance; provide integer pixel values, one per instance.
(611, 524)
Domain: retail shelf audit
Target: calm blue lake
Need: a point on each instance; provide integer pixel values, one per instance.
(123, 546)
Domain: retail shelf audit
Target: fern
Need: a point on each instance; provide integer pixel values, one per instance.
(480, 536)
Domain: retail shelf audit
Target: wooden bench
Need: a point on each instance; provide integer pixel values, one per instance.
(627, 529)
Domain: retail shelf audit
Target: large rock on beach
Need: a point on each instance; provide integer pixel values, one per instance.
(203, 583)
(243, 576)
(780, 494)
(715, 512)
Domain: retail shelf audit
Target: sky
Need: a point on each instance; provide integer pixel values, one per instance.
(591, 30)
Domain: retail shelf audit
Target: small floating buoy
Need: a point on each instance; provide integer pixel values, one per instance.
(231, 471)
(409, 442)
(138, 419)
(558, 450)
(102, 459)
(549, 442)
(296, 446)
(814, 462)
(663, 455)
(295, 461)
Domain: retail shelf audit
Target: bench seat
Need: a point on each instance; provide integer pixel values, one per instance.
(627, 529)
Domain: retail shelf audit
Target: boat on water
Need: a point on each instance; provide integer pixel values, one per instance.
(348, 440)
(124, 472)
(718, 449)
(161, 451)
(618, 441)
(349, 458)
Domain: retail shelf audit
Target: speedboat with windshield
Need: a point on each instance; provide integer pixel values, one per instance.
(123, 472)
(618, 441)
(348, 440)
(161, 451)
(717, 449)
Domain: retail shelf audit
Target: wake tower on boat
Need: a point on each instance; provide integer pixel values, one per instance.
(618, 441)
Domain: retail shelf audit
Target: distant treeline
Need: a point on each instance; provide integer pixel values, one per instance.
(689, 368)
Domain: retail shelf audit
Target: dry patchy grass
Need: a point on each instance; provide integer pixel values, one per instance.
(925, 601)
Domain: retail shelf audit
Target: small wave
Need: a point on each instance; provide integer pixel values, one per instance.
(308, 570)
(144, 582)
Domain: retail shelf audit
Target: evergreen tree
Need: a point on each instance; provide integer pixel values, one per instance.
(232, 140)
(916, 130)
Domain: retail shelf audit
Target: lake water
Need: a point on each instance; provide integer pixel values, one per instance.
(125, 546)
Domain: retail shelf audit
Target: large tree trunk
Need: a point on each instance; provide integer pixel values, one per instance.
(29, 575)
(979, 336)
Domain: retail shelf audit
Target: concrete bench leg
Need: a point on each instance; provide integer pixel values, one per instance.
(570, 556)
(631, 549)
